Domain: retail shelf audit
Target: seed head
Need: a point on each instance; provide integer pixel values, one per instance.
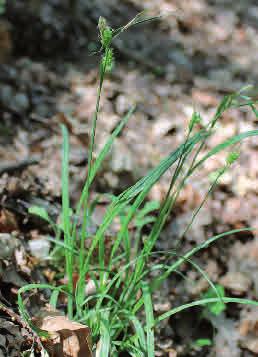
(106, 33)
(196, 119)
(108, 61)
(232, 157)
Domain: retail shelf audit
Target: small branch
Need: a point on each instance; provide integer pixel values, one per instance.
(18, 166)
(33, 339)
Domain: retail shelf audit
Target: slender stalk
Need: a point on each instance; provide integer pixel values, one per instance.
(66, 219)
(213, 185)
(85, 193)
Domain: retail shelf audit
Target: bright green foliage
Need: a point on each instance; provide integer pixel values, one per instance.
(106, 33)
(40, 212)
(215, 308)
(120, 275)
(106, 37)
(202, 342)
(232, 157)
(149, 319)
(108, 60)
(144, 216)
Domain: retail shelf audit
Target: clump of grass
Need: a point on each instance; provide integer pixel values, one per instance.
(123, 290)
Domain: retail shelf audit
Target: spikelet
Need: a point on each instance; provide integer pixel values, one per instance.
(106, 33)
(232, 157)
(107, 62)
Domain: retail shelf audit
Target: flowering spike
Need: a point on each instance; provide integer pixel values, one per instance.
(232, 157)
(108, 60)
(106, 33)
(196, 119)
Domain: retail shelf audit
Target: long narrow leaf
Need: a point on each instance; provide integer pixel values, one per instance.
(142, 186)
(229, 142)
(196, 249)
(149, 319)
(155, 284)
(105, 338)
(201, 302)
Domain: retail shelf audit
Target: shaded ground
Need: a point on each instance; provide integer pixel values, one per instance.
(169, 67)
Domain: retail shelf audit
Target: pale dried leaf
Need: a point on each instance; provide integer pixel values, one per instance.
(68, 338)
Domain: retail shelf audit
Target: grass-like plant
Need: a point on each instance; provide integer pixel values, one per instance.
(120, 311)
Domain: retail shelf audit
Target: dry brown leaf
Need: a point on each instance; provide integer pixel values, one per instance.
(68, 338)
(248, 329)
(8, 222)
(237, 282)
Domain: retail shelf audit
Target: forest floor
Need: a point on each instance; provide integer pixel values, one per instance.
(187, 60)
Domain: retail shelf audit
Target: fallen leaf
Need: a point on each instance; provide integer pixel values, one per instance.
(248, 329)
(67, 338)
(238, 283)
(8, 222)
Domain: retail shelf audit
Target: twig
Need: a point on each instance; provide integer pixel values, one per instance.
(34, 338)
(18, 166)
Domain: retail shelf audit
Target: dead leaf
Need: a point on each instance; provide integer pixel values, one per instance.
(238, 283)
(8, 222)
(248, 329)
(68, 338)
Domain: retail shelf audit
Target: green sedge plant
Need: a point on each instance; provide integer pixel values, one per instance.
(120, 311)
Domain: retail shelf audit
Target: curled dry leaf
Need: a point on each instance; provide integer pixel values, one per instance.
(248, 329)
(8, 222)
(67, 338)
